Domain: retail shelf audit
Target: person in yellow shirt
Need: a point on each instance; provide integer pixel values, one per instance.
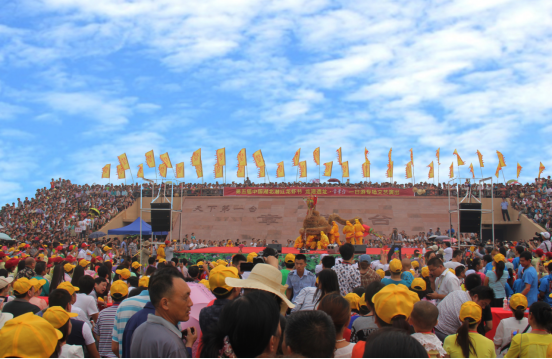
(536, 343)
(467, 342)
(324, 241)
(161, 250)
(334, 234)
(359, 232)
(349, 233)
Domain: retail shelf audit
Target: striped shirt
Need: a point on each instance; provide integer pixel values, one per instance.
(126, 309)
(104, 331)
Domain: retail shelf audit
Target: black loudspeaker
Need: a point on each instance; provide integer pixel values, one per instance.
(161, 217)
(360, 248)
(277, 247)
(470, 221)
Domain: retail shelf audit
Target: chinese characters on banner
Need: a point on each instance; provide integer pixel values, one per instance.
(150, 159)
(120, 171)
(329, 191)
(166, 160)
(163, 170)
(259, 160)
(180, 170)
(106, 171)
(140, 171)
(124, 161)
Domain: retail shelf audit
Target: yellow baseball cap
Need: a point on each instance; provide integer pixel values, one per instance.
(162, 260)
(471, 310)
(57, 316)
(217, 278)
(39, 284)
(395, 266)
(83, 262)
(381, 273)
(205, 282)
(353, 300)
(120, 288)
(290, 257)
(415, 264)
(14, 337)
(199, 264)
(143, 282)
(425, 272)
(124, 273)
(68, 287)
(419, 285)
(394, 300)
(499, 258)
(222, 262)
(106, 248)
(250, 257)
(68, 267)
(518, 300)
(136, 265)
(22, 285)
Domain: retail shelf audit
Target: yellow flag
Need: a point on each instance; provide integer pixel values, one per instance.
(328, 169)
(366, 169)
(163, 170)
(451, 170)
(120, 172)
(366, 152)
(316, 155)
(345, 169)
(180, 170)
(296, 157)
(259, 160)
(218, 171)
(480, 156)
(124, 161)
(140, 171)
(150, 159)
(280, 171)
(471, 170)
(389, 155)
(339, 156)
(242, 158)
(438, 155)
(196, 158)
(409, 170)
(459, 159)
(412, 157)
(501, 161)
(261, 172)
(518, 170)
(241, 171)
(199, 171)
(303, 169)
(221, 156)
(431, 173)
(389, 172)
(498, 168)
(106, 171)
(541, 168)
(166, 160)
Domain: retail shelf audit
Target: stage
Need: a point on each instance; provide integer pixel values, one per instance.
(285, 250)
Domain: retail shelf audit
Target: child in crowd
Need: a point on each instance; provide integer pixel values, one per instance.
(424, 319)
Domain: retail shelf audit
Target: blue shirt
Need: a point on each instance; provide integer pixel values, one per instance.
(518, 285)
(297, 283)
(387, 281)
(407, 277)
(546, 288)
(499, 286)
(509, 291)
(530, 277)
(134, 322)
(515, 262)
(488, 267)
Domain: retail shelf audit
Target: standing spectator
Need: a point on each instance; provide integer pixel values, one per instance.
(289, 262)
(529, 278)
(299, 278)
(85, 301)
(448, 252)
(366, 324)
(546, 286)
(504, 207)
(438, 231)
(159, 336)
(456, 259)
(133, 250)
(347, 275)
(536, 343)
(442, 280)
(104, 327)
(309, 334)
(367, 274)
(496, 279)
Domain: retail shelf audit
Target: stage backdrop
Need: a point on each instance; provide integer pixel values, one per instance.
(319, 192)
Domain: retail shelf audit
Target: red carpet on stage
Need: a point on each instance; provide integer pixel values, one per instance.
(285, 250)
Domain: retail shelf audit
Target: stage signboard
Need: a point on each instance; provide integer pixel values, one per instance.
(316, 191)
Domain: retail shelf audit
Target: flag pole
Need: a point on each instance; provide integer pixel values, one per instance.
(502, 169)
(130, 173)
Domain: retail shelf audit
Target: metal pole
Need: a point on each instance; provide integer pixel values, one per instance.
(131, 174)
(141, 195)
(492, 210)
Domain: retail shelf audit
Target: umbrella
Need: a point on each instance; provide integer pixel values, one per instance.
(453, 240)
(39, 211)
(200, 296)
(97, 235)
(513, 181)
(334, 180)
(5, 237)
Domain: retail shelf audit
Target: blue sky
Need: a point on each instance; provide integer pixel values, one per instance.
(83, 81)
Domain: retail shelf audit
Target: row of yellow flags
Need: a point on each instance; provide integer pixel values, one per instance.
(260, 163)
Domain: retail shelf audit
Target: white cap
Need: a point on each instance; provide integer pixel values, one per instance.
(5, 281)
(545, 235)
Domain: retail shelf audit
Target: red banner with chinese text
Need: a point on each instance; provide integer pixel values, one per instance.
(319, 191)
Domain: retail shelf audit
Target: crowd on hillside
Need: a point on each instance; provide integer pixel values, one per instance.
(535, 202)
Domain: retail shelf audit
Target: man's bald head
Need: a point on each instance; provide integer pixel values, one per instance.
(406, 264)
(29, 262)
(424, 315)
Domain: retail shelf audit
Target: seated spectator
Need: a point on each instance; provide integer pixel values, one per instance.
(536, 343)
(516, 324)
(339, 309)
(395, 267)
(309, 297)
(442, 280)
(60, 319)
(104, 327)
(423, 319)
(23, 290)
(240, 333)
(36, 300)
(467, 343)
(366, 324)
(309, 334)
(384, 344)
(393, 306)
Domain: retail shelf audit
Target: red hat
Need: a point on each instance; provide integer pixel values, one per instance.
(84, 245)
(70, 259)
(167, 242)
(49, 265)
(12, 263)
(548, 255)
(27, 245)
(539, 252)
(59, 248)
(58, 260)
(2, 254)
(51, 260)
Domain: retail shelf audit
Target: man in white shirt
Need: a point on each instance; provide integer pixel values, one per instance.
(85, 301)
(85, 253)
(456, 258)
(442, 280)
(546, 246)
(447, 251)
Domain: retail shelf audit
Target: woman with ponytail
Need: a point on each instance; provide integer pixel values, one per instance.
(496, 279)
(516, 324)
(534, 344)
(467, 342)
